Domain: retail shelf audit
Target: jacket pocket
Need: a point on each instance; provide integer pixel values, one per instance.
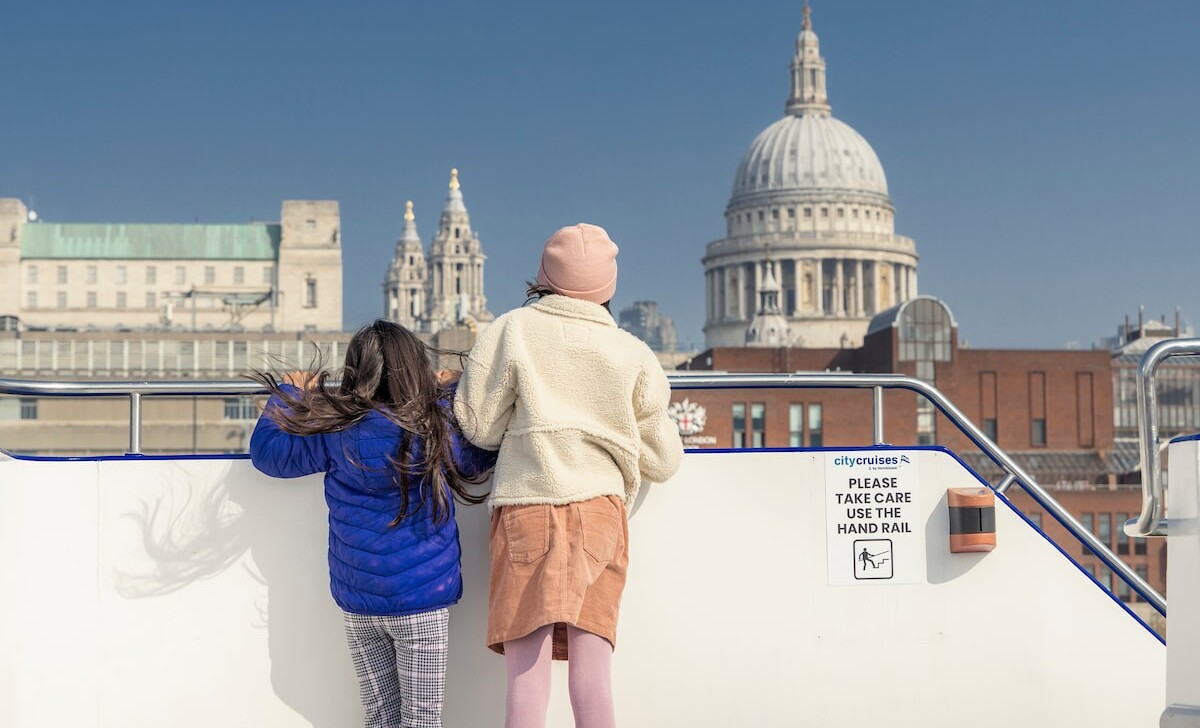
(603, 531)
(526, 532)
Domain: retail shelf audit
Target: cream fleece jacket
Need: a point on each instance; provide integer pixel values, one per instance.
(576, 406)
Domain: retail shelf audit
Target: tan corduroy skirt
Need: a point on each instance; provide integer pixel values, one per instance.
(557, 565)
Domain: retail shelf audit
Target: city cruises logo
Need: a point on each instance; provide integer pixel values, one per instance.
(872, 462)
(690, 417)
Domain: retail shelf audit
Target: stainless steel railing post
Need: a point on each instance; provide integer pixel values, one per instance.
(1150, 522)
(877, 408)
(135, 423)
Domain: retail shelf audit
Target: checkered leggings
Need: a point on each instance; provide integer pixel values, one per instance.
(401, 667)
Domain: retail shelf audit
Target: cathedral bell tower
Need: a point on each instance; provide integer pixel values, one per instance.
(456, 266)
(404, 288)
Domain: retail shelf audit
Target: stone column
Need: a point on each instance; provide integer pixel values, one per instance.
(758, 276)
(819, 286)
(858, 288)
(839, 297)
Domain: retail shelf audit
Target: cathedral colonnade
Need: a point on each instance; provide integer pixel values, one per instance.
(827, 285)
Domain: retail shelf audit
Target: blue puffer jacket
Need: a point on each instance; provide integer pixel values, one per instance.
(374, 568)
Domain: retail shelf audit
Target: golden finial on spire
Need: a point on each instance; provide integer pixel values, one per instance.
(807, 16)
(408, 213)
(454, 178)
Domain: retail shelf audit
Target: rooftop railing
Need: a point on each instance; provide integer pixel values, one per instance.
(1013, 474)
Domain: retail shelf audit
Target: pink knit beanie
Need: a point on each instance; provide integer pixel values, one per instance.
(580, 261)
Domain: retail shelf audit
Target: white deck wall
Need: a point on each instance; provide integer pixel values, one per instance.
(194, 593)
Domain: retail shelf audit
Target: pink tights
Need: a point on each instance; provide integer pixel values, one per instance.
(589, 681)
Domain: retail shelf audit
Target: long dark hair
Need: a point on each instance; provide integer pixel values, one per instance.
(387, 370)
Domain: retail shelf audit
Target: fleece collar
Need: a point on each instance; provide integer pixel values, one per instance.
(574, 308)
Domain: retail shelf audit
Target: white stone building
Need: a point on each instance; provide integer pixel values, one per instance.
(284, 276)
(444, 289)
(812, 191)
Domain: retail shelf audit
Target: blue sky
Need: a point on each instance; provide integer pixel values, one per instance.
(1043, 155)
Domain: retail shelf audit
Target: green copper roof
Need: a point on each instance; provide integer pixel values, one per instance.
(255, 241)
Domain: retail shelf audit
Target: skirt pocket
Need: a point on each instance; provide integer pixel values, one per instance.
(600, 522)
(526, 532)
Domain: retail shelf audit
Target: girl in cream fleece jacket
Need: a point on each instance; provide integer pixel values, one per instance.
(578, 410)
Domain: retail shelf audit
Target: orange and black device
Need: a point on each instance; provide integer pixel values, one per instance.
(972, 519)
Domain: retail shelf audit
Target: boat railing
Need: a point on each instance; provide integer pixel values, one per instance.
(1013, 473)
(1151, 521)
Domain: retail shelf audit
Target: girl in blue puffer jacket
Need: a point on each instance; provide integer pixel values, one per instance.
(394, 461)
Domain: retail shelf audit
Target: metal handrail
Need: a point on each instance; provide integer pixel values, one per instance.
(1150, 522)
(874, 382)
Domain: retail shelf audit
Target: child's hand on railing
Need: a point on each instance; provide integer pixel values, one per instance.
(303, 380)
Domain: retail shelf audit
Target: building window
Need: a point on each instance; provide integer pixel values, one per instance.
(841, 212)
(1123, 590)
(760, 215)
(989, 428)
(1105, 577)
(808, 212)
(1104, 530)
(239, 274)
(151, 300)
(739, 425)
(1122, 537)
(61, 299)
(310, 292)
(1036, 519)
(758, 424)
(824, 212)
(240, 408)
(91, 274)
(151, 274)
(31, 299)
(121, 274)
(775, 213)
(268, 275)
(796, 425)
(310, 224)
(1142, 571)
(29, 408)
(180, 275)
(1038, 433)
(121, 299)
(854, 213)
(1089, 523)
(31, 274)
(791, 213)
(1037, 409)
(62, 274)
(210, 274)
(1139, 546)
(91, 299)
(816, 427)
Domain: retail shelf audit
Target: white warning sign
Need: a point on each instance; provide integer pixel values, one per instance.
(871, 515)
